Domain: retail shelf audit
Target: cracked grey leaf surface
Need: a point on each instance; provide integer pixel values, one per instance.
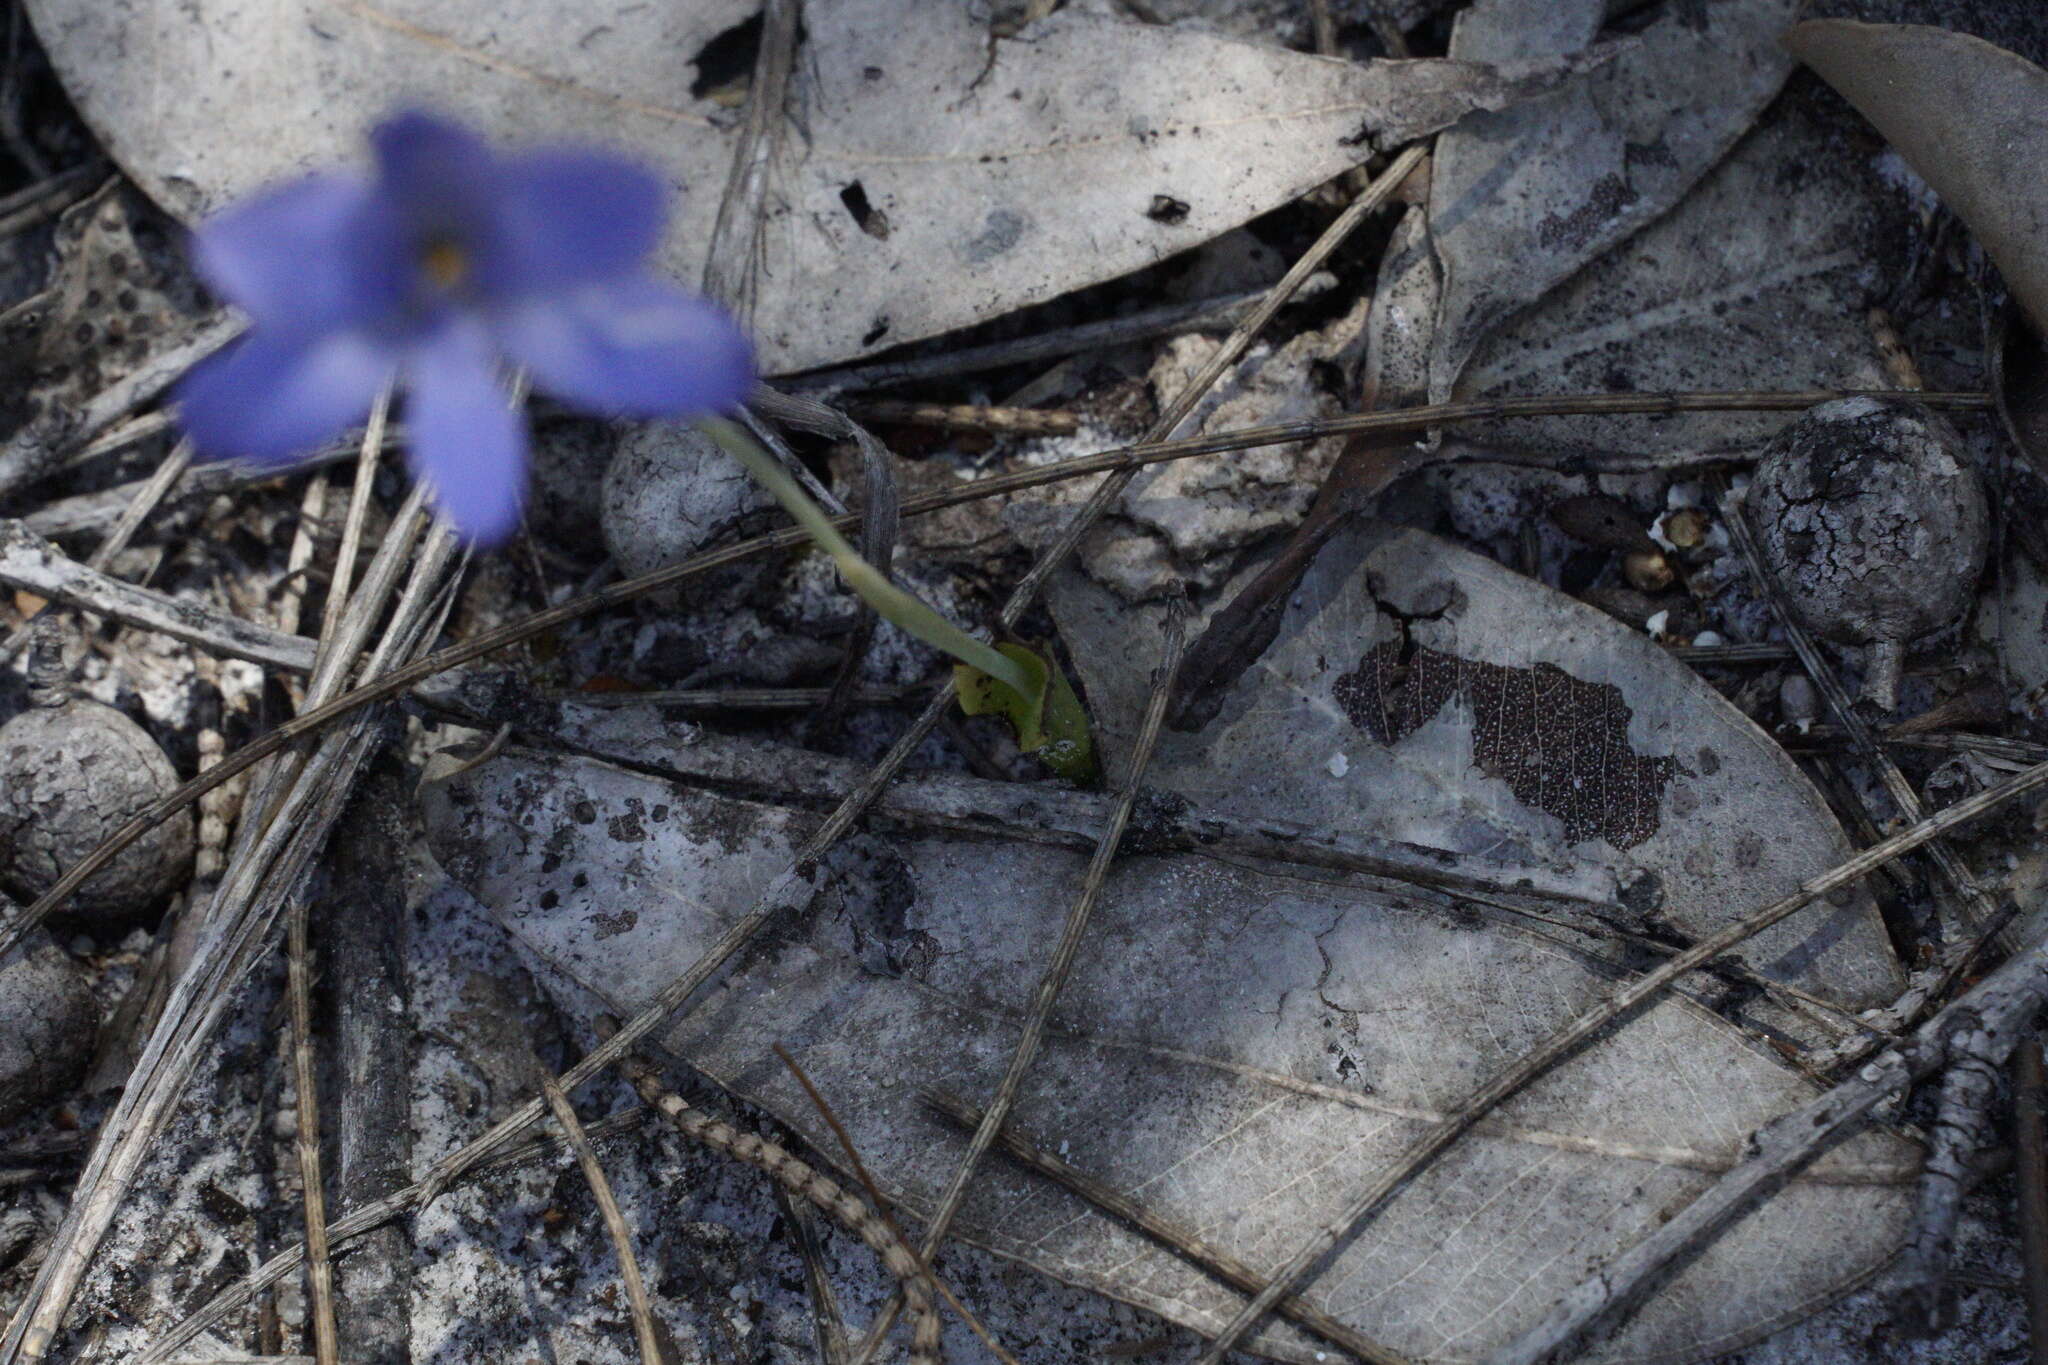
(1761, 278)
(1428, 695)
(1522, 198)
(1241, 1047)
(937, 176)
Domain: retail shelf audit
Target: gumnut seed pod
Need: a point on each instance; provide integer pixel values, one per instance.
(73, 771)
(1872, 517)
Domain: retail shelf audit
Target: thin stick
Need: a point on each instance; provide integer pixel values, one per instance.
(319, 1265)
(882, 1205)
(31, 452)
(2002, 1006)
(803, 1182)
(262, 869)
(1122, 460)
(29, 562)
(1088, 336)
(2030, 1113)
(49, 196)
(1978, 907)
(997, 421)
(1961, 1130)
(1438, 1137)
(826, 1316)
(614, 1220)
(1168, 1234)
(1105, 495)
(360, 496)
(1068, 949)
(740, 698)
(732, 265)
(100, 510)
(144, 501)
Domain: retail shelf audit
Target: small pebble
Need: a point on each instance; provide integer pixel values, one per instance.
(1798, 701)
(47, 1021)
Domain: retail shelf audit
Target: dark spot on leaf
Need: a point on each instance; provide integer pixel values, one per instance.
(583, 813)
(549, 900)
(1610, 195)
(728, 57)
(876, 332)
(872, 220)
(1002, 230)
(1167, 209)
(611, 926)
(1559, 742)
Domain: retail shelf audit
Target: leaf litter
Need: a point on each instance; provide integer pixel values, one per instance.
(1551, 802)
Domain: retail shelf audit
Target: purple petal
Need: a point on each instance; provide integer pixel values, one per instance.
(467, 439)
(631, 347)
(571, 216)
(441, 177)
(271, 397)
(314, 255)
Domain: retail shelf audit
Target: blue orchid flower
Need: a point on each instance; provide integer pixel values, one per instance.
(447, 261)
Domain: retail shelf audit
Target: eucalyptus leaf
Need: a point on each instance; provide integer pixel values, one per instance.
(937, 173)
(1244, 1044)
(1970, 117)
(1522, 198)
(1760, 278)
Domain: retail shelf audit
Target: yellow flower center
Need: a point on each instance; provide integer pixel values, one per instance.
(444, 263)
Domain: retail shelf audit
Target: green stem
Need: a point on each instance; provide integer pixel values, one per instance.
(884, 596)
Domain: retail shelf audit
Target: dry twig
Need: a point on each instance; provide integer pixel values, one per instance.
(614, 1220)
(1174, 1238)
(2000, 1007)
(319, 1265)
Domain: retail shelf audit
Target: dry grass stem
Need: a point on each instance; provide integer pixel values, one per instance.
(1127, 458)
(372, 1214)
(1999, 1008)
(614, 1220)
(875, 1196)
(804, 1182)
(319, 1264)
(1978, 907)
(144, 501)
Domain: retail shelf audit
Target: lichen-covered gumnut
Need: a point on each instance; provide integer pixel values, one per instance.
(1872, 517)
(71, 773)
(670, 491)
(47, 1020)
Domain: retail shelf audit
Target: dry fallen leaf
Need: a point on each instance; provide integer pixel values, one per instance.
(1521, 199)
(1243, 1046)
(936, 174)
(1760, 278)
(1970, 117)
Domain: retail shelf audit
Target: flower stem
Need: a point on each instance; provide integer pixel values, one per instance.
(885, 597)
